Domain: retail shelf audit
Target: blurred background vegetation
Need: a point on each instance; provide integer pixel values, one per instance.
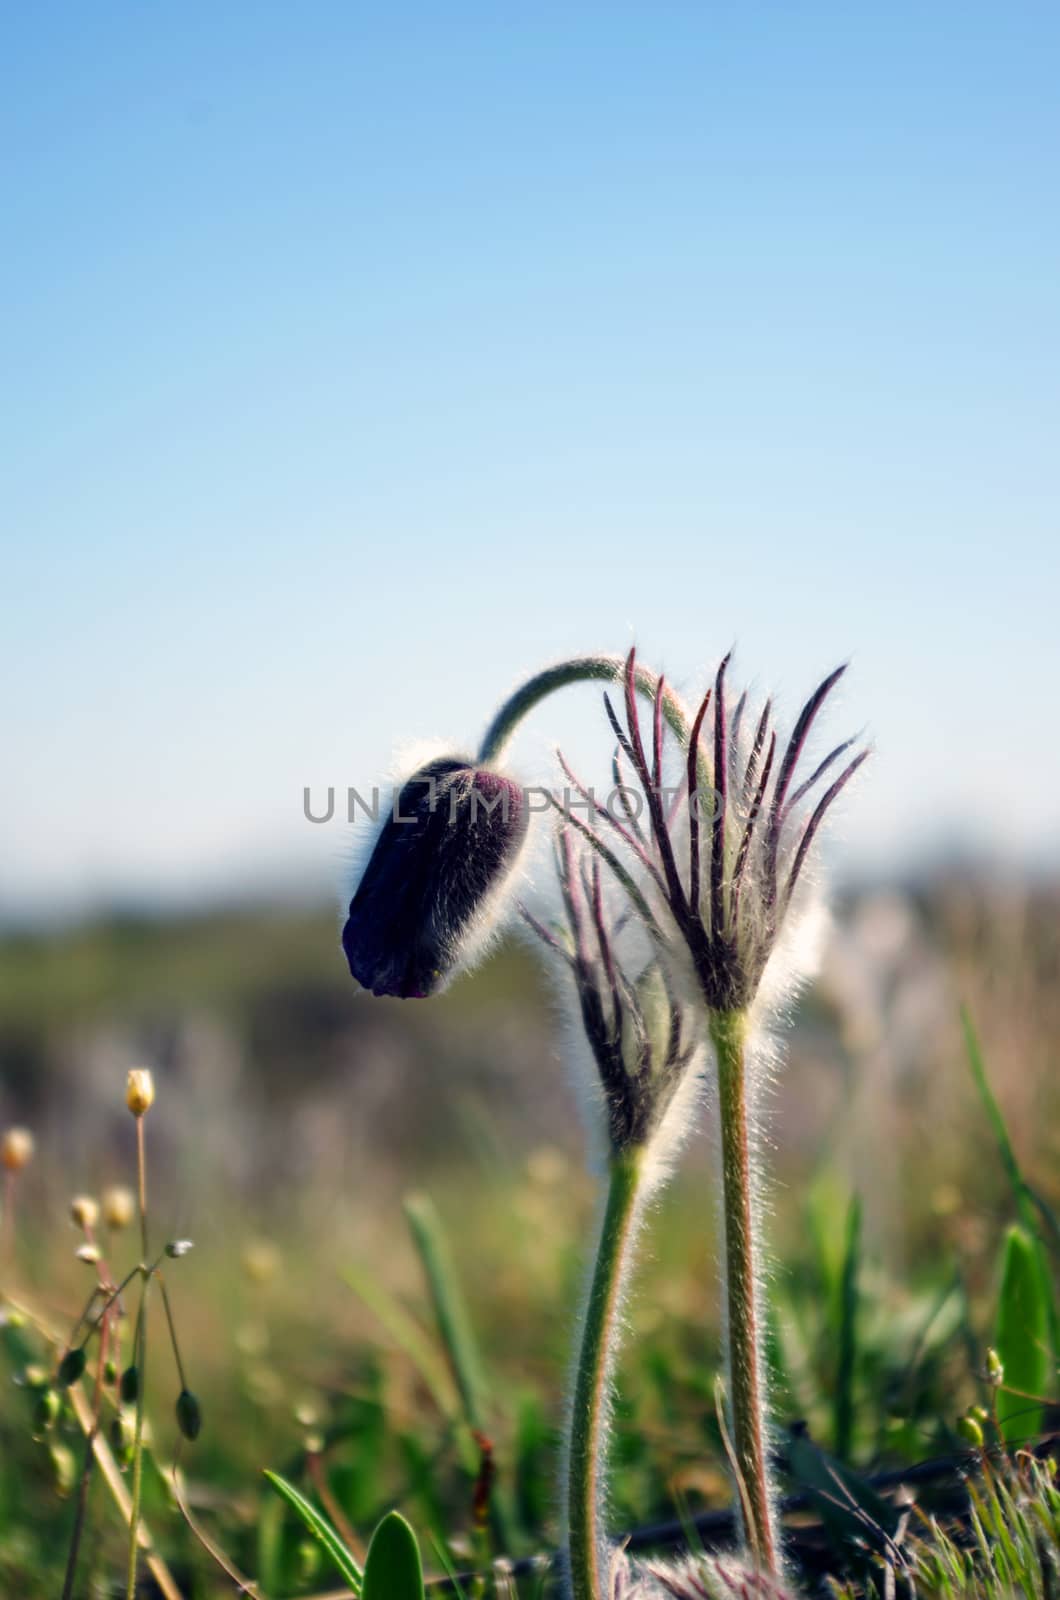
(295, 1117)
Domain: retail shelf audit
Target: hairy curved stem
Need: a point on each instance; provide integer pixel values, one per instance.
(594, 1375)
(578, 669)
(747, 1398)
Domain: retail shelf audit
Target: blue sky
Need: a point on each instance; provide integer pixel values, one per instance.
(358, 359)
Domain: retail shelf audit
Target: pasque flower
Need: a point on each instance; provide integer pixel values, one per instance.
(712, 875)
(434, 877)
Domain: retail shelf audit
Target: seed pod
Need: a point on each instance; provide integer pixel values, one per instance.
(16, 1149)
(995, 1372)
(84, 1211)
(45, 1410)
(64, 1466)
(122, 1437)
(130, 1385)
(189, 1416)
(969, 1430)
(110, 1373)
(140, 1092)
(119, 1207)
(424, 898)
(71, 1366)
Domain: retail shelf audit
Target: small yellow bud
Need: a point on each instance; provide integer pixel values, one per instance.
(119, 1207)
(84, 1211)
(995, 1372)
(16, 1149)
(140, 1091)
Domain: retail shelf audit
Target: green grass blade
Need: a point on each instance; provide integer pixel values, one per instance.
(997, 1121)
(458, 1337)
(270, 1545)
(848, 1333)
(1022, 1339)
(393, 1570)
(1026, 1209)
(1049, 1218)
(321, 1529)
(406, 1333)
(454, 1323)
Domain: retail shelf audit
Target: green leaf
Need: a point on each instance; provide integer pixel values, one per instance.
(270, 1545)
(854, 1515)
(458, 1337)
(407, 1334)
(321, 1529)
(997, 1121)
(393, 1570)
(848, 1333)
(454, 1323)
(1022, 1340)
(1023, 1194)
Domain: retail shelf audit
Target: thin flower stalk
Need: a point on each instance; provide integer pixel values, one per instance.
(645, 1058)
(594, 1378)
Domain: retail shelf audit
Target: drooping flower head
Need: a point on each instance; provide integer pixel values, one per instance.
(718, 858)
(438, 867)
(640, 1037)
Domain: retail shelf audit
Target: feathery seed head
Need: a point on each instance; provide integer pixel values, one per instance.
(719, 861)
(434, 877)
(702, 1577)
(16, 1149)
(641, 1041)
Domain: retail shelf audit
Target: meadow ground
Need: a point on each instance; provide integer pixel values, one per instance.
(390, 1215)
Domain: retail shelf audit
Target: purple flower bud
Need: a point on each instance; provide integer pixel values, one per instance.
(453, 836)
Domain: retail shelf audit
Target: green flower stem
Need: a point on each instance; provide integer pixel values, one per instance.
(140, 1361)
(741, 1246)
(579, 669)
(590, 1414)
